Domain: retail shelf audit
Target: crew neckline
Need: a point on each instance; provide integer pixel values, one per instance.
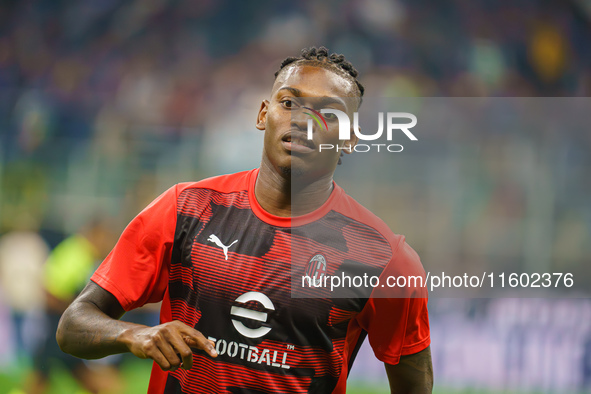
(283, 221)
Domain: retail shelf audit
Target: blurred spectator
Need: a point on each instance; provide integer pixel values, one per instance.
(22, 255)
(66, 272)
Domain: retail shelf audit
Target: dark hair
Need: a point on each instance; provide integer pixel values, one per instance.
(321, 58)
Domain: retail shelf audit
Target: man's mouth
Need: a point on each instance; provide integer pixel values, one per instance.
(298, 143)
(298, 140)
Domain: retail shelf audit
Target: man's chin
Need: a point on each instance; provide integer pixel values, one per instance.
(292, 172)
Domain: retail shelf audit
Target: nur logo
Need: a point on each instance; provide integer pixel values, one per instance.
(345, 129)
(317, 117)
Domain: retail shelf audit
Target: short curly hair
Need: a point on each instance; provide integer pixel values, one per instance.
(320, 57)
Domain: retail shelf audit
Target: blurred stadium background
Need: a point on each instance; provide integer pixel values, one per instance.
(105, 104)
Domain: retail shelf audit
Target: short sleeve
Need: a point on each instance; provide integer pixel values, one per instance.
(397, 325)
(136, 270)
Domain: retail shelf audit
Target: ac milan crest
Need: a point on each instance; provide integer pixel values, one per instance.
(316, 269)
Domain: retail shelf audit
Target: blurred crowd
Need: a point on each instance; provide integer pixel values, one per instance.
(105, 99)
(105, 104)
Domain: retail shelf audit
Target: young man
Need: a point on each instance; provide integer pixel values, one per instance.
(221, 254)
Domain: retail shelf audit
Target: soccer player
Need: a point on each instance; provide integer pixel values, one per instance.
(221, 255)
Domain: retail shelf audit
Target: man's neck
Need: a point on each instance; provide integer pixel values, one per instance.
(279, 196)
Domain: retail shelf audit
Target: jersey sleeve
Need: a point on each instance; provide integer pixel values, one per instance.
(136, 270)
(396, 319)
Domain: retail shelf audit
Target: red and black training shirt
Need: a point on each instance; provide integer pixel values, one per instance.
(223, 265)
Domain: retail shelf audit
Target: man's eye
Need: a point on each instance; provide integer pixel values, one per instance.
(287, 103)
(329, 116)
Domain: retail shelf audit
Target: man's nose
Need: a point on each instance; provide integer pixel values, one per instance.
(299, 120)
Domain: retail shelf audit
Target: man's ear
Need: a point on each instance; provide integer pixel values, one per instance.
(262, 115)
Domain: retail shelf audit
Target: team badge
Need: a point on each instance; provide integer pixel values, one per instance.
(316, 269)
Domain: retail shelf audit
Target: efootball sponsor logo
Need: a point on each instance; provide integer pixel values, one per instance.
(247, 352)
(252, 354)
(252, 315)
(394, 122)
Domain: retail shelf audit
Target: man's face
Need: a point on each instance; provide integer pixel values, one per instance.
(286, 146)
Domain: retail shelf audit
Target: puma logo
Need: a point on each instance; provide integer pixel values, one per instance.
(216, 240)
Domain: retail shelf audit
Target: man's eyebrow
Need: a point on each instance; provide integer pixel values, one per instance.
(296, 92)
(324, 100)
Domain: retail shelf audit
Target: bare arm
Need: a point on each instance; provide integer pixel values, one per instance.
(89, 328)
(412, 375)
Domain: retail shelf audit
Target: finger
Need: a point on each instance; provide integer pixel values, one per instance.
(159, 359)
(166, 349)
(195, 339)
(183, 349)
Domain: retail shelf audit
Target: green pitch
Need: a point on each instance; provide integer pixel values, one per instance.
(135, 375)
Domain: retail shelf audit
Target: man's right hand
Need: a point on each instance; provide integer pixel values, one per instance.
(165, 342)
(90, 328)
